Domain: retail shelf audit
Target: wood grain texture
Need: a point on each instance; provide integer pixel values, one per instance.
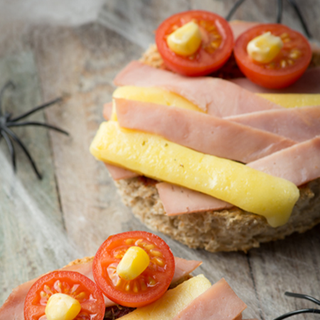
(43, 225)
(91, 57)
(25, 203)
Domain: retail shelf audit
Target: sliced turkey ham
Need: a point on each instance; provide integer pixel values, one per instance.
(13, 307)
(308, 83)
(179, 200)
(213, 95)
(183, 268)
(298, 164)
(118, 173)
(298, 124)
(199, 131)
(217, 303)
(107, 110)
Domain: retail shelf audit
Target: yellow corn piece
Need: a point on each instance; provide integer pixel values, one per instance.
(133, 263)
(264, 48)
(186, 40)
(60, 306)
(155, 157)
(293, 100)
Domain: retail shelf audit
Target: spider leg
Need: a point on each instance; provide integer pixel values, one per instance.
(28, 113)
(234, 9)
(3, 89)
(279, 13)
(23, 147)
(11, 149)
(33, 123)
(302, 296)
(293, 313)
(299, 14)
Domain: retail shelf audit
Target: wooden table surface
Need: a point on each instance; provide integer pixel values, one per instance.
(53, 49)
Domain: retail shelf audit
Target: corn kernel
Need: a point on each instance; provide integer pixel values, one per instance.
(186, 40)
(133, 263)
(264, 48)
(62, 307)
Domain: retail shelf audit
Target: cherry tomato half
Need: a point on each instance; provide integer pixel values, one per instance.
(286, 68)
(215, 49)
(72, 283)
(152, 282)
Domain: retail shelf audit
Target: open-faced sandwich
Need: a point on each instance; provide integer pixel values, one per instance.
(202, 159)
(133, 275)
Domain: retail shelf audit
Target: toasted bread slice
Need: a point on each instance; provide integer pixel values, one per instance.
(224, 230)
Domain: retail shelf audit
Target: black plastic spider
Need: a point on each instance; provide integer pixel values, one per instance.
(294, 5)
(7, 121)
(301, 296)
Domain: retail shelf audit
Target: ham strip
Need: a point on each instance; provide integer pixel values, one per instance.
(215, 96)
(298, 164)
(298, 124)
(217, 303)
(118, 173)
(199, 131)
(307, 83)
(183, 268)
(179, 200)
(107, 110)
(13, 307)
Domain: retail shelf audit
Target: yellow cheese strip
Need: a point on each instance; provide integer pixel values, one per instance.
(172, 302)
(227, 180)
(292, 100)
(167, 98)
(154, 95)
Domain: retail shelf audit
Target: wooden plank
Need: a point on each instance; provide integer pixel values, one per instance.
(288, 265)
(81, 62)
(25, 202)
(84, 61)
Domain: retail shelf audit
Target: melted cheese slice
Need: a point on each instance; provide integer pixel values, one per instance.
(157, 158)
(292, 100)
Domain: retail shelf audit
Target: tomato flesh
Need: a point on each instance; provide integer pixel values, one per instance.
(284, 69)
(214, 51)
(71, 283)
(150, 285)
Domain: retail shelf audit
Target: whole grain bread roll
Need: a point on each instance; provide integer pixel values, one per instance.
(222, 230)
